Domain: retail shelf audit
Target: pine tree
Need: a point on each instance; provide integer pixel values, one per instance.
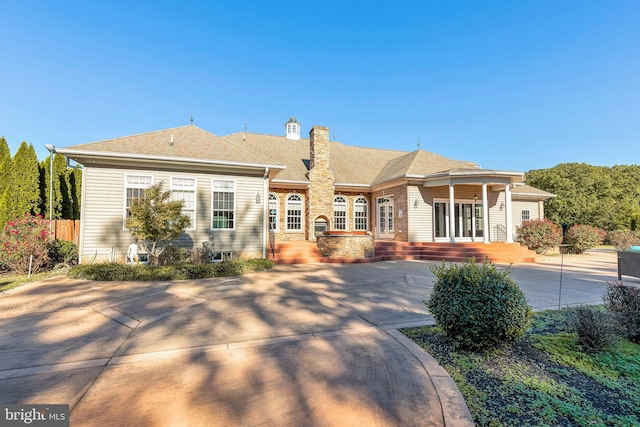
(23, 193)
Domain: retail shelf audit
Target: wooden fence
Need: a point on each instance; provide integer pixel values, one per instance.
(66, 229)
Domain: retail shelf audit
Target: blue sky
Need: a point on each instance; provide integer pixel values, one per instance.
(509, 85)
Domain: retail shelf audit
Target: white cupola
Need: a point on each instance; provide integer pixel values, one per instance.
(292, 129)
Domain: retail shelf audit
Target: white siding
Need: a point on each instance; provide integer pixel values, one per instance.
(497, 216)
(103, 209)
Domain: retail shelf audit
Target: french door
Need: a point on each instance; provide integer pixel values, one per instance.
(467, 220)
(385, 218)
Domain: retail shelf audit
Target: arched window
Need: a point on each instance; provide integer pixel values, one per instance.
(294, 209)
(274, 212)
(360, 214)
(339, 213)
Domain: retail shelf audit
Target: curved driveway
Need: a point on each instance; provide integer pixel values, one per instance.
(297, 345)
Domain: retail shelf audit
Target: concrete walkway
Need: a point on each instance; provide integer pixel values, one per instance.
(298, 345)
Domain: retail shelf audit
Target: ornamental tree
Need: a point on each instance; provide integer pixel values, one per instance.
(539, 235)
(23, 238)
(156, 220)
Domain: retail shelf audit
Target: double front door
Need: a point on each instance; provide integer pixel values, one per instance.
(385, 218)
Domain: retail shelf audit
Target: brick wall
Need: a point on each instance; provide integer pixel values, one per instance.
(400, 204)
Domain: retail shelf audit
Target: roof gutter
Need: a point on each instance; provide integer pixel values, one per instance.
(70, 153)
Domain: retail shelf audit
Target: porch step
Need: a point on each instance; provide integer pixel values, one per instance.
(303, 252)
(496, 252)
(295, 252)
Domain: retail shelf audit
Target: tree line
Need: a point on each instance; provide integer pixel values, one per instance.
(24, 185)
(601, 196)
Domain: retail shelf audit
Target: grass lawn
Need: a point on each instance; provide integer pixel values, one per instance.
(545, 380)
(11, 280)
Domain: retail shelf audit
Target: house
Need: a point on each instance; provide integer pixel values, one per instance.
(252, 191)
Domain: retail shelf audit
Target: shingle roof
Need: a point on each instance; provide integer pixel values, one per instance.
(527, 190)
(349, 164)
(186, 142)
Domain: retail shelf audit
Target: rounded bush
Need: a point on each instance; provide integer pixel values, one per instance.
(62, 252)
(582, 237)
(478, 306)
(623, 239)
(539, 235)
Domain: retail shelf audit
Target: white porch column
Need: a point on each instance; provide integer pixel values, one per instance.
(452, 216)
(507, 202)
(485, 213)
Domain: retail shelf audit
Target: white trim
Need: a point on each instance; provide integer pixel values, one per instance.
(366, 212)
(235, 203)
(133, 186)
(173, 159)
(286, 214)
(345, 204)
(277, 201)
(508, 210)
(193, 189)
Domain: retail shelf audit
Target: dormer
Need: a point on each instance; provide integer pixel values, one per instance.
(292, 129)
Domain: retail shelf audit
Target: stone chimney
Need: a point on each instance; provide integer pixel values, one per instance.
(321, 180)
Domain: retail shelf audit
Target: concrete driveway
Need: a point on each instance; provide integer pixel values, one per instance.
(297, 345)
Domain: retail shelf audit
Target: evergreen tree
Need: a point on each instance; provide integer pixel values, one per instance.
(75, 190)
(5, 174)
(23, 193)
(62, 208)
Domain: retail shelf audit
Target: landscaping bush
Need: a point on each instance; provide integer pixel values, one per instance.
(22, 238)
(582, 237)
(181, 271)
(623, 239)
(624, 301)
(172, 255)
(478, 306)
(597, 329)
(539, 235)
(62, 252)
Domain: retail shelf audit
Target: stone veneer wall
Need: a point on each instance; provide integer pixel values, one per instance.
(346, 246)
(321, 179)
(400, 203)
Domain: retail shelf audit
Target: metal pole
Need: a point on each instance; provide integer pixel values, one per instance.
(52, 149)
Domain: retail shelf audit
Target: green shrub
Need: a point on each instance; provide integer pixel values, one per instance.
(62, 252)
(597, 330)
(624, 301)
(478, 306)
(180, 271)
(539, 235)
(582, 237)
(623, 239)
(172, 255)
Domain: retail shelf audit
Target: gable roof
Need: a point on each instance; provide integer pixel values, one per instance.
(186, 143)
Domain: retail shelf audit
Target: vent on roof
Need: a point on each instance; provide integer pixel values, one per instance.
(171, 144)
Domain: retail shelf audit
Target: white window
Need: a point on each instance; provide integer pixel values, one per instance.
(223, 204)
(339, 213)
(294, 209)
(274, 207)
(221, 256)
(360, 214)
(135, 188)
(184, 189)
(525, 215)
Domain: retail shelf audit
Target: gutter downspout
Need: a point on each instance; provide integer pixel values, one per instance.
(265, 212)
